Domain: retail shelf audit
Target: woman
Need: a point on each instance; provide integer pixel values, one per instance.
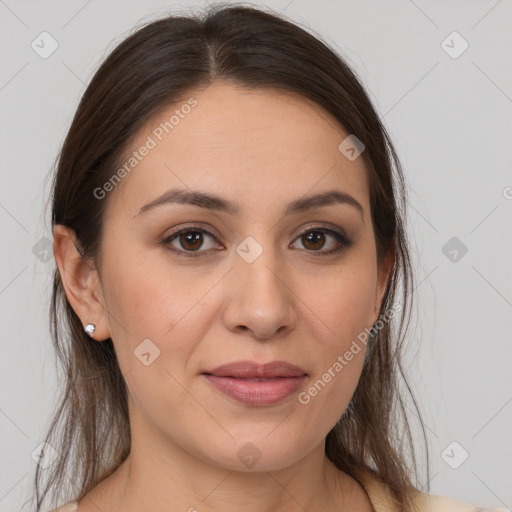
(235, 281)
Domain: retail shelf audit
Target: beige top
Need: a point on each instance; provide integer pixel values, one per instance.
(380, 496)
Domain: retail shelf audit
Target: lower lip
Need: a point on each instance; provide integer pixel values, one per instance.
(257, 392)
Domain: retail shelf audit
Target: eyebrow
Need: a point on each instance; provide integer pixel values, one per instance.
(213, 202)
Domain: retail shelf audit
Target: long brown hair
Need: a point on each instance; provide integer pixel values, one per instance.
(151, 69)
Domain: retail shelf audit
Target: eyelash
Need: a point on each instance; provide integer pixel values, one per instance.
(343, 241)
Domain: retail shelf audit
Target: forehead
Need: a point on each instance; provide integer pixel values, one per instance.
(251, 145)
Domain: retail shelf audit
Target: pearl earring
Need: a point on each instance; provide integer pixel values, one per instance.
(89, 329)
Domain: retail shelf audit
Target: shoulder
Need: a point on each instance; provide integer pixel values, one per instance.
(382, 501)
(70, 506)
(424, 503)
(434, 503)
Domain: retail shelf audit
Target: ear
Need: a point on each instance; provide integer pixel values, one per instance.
(383, 273)
(80, 281)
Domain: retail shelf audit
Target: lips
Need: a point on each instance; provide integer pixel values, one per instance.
(257, 384)
(251, 370)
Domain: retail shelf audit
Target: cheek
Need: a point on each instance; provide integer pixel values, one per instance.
(339, 350)
(344, 303)
(158, 316)
(344, 310)
(139, 293)
(151, 298)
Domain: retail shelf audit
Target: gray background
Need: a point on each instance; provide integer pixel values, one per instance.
(450, 120)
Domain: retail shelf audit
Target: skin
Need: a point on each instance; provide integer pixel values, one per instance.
(262, 149)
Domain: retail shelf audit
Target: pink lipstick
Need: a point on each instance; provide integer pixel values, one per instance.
(257, 384)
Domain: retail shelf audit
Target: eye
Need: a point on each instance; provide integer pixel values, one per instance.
(190, 239)
(313, 240)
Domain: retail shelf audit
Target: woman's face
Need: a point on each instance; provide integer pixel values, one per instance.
(261, 288)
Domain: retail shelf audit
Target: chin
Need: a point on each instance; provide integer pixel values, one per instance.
(255, 453)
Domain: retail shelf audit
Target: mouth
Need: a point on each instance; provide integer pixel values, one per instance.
(257, 384)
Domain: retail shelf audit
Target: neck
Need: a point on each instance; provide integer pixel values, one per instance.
(161, 475)
(175, 480)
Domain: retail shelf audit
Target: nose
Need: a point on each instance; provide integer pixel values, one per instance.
(260, 298)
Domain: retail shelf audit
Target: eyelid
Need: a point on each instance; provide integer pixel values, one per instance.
(320, 225)
(193, 227)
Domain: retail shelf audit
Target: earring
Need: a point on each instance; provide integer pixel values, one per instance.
(89, 329)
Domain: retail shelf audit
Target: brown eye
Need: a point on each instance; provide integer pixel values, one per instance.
(188, 241)
(191, 240)
(314, 240)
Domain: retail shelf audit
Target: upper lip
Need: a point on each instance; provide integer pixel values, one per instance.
(251, 369)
